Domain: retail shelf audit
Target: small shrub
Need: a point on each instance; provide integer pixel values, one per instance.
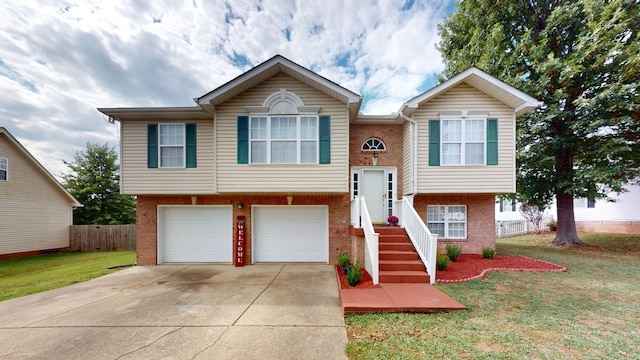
(354, 274)
(453, 251)
(553, 225)
(343, 259)
(488, 253)
(442, 262)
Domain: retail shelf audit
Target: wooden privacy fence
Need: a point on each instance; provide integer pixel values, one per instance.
(102, 237)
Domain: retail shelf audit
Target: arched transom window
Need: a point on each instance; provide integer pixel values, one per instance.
(373, 144)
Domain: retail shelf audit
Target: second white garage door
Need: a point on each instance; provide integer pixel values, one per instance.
(290, 234)
(195, 234)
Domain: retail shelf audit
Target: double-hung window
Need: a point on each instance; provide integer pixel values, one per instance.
(283, 139)
(171, 145)
(463, 142)
(4, 169)
(447, 221)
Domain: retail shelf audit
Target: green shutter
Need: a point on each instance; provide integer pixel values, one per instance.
(325, 139)
(191, 145)
(434, 142)
(492, 141)
(152, 146)
(243, 139)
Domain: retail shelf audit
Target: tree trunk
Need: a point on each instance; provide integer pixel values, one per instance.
(566, 233)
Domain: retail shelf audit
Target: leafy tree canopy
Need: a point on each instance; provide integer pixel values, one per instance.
(95, 182)
(581, 58)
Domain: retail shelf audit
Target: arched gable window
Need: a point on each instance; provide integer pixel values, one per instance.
(373, 144)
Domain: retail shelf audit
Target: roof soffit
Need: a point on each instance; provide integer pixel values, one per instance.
(483, 82)
(279, 64)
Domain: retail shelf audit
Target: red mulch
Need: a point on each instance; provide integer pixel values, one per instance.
(471, 267)
(365, 281)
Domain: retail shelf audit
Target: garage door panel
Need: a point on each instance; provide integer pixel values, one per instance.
(197, 234)
(291, 234)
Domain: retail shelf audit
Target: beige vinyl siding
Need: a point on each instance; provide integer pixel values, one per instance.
(137, 179)
(407, 158)
(291, 178)
(467, 179)
(34, 213)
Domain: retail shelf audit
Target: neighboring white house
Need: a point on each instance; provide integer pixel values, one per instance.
(35, 209)
(619, 216)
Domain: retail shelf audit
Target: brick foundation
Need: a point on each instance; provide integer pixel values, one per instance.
(480, 219)
(613, 227)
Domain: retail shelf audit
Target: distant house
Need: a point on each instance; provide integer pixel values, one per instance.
(287, 153)
(619, 216)
(35, 209)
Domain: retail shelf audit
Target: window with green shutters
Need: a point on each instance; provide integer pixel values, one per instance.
(285, 139)
(171, 146)
(463, 142)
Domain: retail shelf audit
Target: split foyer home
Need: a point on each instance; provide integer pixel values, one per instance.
(281, 159)
(35, 209)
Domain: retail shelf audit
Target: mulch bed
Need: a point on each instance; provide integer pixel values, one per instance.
(472, 267)
(365, 281)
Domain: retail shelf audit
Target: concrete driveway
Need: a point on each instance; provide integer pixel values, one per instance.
(182, 312)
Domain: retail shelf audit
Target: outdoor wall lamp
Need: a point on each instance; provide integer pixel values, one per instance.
(240, 206)
(375, 154)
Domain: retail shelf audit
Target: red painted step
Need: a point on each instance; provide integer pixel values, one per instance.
(398, 261)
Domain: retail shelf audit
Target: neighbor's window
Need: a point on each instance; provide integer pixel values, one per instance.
(463, 142)
(447, 221)
(4, 169)
(283, 139)
(171, 145)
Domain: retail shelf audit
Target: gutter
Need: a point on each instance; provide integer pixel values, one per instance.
(415, 147)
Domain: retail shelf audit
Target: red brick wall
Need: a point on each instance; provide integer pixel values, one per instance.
(391, 135)
(147, 225)
(480, 219)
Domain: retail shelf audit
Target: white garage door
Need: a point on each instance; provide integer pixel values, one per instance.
(195, 234)
(290, 234)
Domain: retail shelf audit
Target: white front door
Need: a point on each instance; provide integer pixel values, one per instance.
(375, 194)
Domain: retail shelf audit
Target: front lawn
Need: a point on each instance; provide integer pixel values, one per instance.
(31, 275)
(590, 312)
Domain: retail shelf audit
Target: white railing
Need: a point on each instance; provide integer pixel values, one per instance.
(363, 219)
(505, 228)
(423, 240)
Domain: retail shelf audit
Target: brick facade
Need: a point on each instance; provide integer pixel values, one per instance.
(391, 135)
(480, 219)
(147, 221)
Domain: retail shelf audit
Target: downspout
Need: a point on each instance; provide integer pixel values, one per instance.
(414, 124)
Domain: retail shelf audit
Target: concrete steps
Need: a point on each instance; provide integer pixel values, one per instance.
(398, 261)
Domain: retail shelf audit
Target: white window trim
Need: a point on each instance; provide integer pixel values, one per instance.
(446, 222)
(298, 139)
(463, 118)
(380, 143)
(5, 168)
(184, 146)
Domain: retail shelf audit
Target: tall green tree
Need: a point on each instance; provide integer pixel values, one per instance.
(581, 58)
(95, 182)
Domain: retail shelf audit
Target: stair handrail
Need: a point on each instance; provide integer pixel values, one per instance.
(371, 238)
(425, 242)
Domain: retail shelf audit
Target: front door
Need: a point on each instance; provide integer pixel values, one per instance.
(375, 194)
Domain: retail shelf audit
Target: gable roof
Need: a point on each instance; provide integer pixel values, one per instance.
(4, 132)
(275, 65)
(516, 99)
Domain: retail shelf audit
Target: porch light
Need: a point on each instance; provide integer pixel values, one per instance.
(240, 206)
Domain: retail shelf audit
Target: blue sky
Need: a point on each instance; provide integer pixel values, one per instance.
(60, 60)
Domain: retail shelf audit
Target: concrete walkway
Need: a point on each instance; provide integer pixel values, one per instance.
(182, 312)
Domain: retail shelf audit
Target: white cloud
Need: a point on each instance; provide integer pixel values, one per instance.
(60, 61)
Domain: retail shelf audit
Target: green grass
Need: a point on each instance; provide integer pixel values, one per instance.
(590, 312)
(26, 276)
